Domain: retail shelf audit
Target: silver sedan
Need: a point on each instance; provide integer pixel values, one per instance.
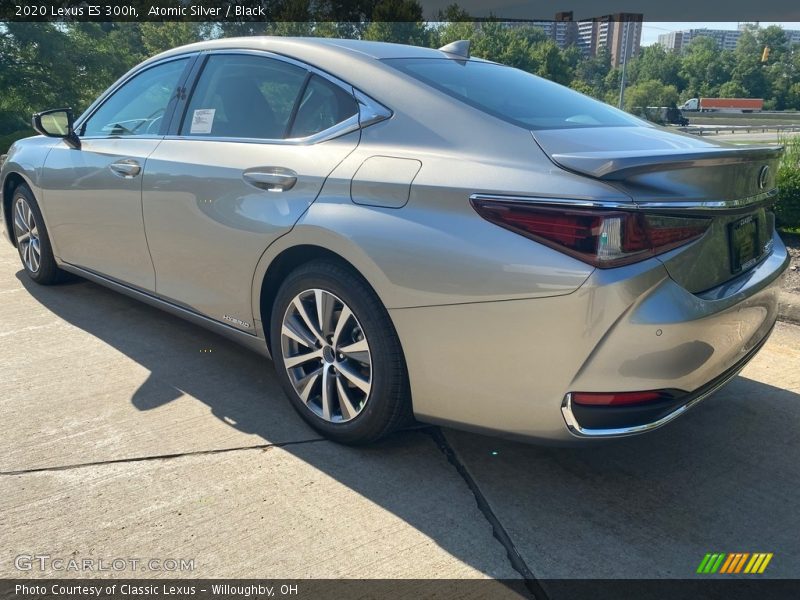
(412, 233)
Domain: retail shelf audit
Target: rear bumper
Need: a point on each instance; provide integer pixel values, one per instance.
(508, 367)
(605, 422)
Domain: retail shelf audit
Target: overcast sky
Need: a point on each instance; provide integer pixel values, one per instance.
(651, 30)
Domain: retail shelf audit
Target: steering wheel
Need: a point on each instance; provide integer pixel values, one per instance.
(153, 122)
(151, 119)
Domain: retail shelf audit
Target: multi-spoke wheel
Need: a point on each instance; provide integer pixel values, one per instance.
(31, 237)
(326, 355)
(27, 234)
(337, 353)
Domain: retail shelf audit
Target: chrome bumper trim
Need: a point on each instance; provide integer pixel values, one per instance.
(704, 392)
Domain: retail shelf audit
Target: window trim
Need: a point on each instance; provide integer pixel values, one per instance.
(369, 111)
(167, 118)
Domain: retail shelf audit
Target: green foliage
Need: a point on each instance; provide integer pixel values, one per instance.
(650, 93)
(46, 65)
(787, 210)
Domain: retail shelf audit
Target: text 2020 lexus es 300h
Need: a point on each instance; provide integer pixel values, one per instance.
(412, 233)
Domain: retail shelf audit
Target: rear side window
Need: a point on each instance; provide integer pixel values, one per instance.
(323, 105)
(242, 96)
(513, 95)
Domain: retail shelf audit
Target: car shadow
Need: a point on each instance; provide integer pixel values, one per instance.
(241, 390)
(722, 478)
(659, 479)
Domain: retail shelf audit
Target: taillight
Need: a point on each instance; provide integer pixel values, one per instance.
(619, 398)
(603, 238)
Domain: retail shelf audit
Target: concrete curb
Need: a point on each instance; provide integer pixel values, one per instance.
(789, 307)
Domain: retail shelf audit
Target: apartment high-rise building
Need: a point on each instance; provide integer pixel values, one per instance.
(621, 33)
(726, 39)
(561, 30)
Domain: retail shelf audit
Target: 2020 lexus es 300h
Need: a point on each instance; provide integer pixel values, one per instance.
(411, 232)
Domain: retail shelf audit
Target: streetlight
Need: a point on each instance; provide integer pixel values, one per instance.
(624, 62)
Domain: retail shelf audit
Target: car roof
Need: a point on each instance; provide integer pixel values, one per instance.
(308, 48)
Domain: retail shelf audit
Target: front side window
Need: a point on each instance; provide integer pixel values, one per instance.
(513, 95)
(243, 96)
(138, 107)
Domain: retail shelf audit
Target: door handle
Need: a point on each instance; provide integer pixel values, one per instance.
(126, 168)
(272, 179)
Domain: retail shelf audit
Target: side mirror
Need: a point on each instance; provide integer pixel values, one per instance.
(58, 123)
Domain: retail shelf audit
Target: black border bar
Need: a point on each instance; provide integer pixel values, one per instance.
(744, 587)
(392, 10)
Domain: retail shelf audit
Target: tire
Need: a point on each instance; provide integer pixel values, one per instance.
(30, 235)
(368, 392)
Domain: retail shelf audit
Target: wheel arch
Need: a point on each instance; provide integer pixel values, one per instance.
(282, 258)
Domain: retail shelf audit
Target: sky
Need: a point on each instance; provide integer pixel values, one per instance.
(651, 30)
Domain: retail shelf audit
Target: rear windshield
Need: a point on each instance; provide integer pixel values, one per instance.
(513, 95)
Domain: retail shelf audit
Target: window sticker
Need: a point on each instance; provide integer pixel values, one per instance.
(202, 120)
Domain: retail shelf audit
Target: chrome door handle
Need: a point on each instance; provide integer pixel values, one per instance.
(272, 179)
(126, 168)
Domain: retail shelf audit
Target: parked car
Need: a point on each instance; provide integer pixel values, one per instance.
(412, 232)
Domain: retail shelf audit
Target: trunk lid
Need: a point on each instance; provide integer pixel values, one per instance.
(683, 174)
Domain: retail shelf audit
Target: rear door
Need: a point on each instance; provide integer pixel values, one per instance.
(93, 195)
(258, 137)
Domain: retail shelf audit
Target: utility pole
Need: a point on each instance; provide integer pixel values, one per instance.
(624, 62)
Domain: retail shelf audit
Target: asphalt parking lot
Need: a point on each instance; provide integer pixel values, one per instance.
(130, 433)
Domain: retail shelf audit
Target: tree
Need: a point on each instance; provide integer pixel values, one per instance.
(43, 65)
(748, 71)
(650, 93)
(656, 62)
(158, 37)
(398, 21)
(704, 67)
(793, 97)
(592, 72)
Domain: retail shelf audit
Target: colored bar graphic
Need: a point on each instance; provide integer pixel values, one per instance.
(740, 564)
(727, 564)
(733, 562)
(765, 563)
(717, 563)
(703, 563)
(755, 558)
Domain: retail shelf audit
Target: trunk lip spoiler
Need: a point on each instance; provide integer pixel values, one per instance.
(690, 206)
(620, 165)
(613, 165)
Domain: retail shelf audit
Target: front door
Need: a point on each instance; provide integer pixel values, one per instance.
(93, 195)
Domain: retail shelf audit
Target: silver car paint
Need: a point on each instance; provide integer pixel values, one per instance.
(495, 328)
(509, 364)
(207, 227)
(95, 215)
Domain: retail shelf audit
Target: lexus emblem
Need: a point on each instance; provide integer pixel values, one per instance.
(763, 177)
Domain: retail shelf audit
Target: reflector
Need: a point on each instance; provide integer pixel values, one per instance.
(618, 398)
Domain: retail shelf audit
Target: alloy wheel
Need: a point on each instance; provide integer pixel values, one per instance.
(326, 355)
(27, 234)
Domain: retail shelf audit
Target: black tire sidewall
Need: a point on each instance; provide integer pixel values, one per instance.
(48, 270)
(383, 410)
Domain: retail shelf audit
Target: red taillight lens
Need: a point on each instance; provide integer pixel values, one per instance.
(603, 238)
(618, 398)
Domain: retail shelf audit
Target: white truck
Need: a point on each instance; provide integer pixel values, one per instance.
(741, 105)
